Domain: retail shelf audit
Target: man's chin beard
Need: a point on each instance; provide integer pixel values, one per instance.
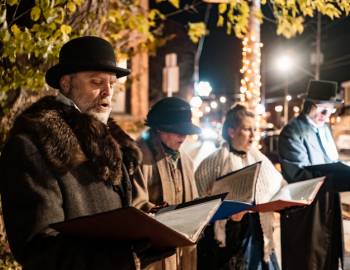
(101, 116)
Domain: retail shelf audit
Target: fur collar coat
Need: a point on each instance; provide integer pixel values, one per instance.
(60, 164)
(67, 138)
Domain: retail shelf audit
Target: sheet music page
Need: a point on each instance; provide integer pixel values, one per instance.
(240, 185)
(304, 191)
(190, 220)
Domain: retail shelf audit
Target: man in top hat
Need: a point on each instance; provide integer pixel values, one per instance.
(312, 236)
(168, 171)
(66, 158)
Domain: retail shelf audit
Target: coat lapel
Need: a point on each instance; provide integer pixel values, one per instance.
(315, 152)
(190, 189)
(163, 169)
(189, 186)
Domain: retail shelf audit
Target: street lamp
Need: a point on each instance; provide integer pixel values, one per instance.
(203, 89)
(284, 64)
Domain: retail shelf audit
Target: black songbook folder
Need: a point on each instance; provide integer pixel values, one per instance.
(166, 229)
(337, 173)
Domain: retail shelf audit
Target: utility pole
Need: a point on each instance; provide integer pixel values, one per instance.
(199, 50)
(318, 47)
(317, 56)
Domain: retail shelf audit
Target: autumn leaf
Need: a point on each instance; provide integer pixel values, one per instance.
(220, 21)
(65, 29)
(196, 31)
(15, 30)
(35, 13)
(12, 2)
(175, 3)
(71, 7)
(222, 8)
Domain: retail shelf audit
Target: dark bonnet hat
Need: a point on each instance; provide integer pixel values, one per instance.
(172, 114)
(87, 53)
(322, 92)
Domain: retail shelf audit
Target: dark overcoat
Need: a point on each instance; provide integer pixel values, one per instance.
(311, 237)
(60, 164)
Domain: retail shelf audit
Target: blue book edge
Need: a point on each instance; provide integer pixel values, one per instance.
(229, 208)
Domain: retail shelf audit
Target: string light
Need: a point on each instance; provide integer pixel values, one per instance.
(250, 70)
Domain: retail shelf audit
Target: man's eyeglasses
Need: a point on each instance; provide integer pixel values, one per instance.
(325, 110)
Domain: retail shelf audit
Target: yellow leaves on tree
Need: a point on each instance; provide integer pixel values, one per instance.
(289, 14)
(35, 13)
(28, 48)
(289, 26)
(71, 6)
(196, 31)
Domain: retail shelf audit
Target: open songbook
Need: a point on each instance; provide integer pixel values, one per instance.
(241, 188)
(173, 227)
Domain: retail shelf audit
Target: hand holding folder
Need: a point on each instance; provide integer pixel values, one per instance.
(337, 173)
(165, 230)
(241, 188)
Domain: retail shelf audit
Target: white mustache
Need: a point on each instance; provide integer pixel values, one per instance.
(104, 102)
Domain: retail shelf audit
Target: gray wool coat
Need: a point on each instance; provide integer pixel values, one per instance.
(311, 237)
(60, 164)
(299, 147)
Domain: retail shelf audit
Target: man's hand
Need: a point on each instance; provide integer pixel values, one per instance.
(147, 255)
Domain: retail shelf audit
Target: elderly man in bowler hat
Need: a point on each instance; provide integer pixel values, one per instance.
(66, 158)
(168, 171)
(312, 236)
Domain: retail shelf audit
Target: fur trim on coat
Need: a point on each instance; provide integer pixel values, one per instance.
(67, 138)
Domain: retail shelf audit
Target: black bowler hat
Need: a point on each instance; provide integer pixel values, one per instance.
(87, 53)
(322, 92)
(172, 114)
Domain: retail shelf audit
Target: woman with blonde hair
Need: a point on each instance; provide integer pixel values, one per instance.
(243, 241)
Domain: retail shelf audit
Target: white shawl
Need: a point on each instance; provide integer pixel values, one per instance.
(269, 182)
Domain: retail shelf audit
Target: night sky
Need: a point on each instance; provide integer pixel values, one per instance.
(335, 40)
(221, 56)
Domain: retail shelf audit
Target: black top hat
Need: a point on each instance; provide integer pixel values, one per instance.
(322, 92)
(172, 114)
(87, 53)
